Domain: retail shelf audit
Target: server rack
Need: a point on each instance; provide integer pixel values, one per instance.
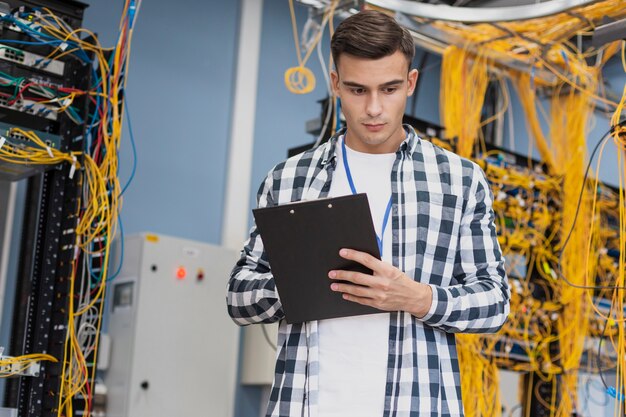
(46, 250)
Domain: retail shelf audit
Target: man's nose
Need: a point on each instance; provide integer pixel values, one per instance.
(374, 106)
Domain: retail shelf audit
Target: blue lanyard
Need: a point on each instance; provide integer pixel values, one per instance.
(353, 188)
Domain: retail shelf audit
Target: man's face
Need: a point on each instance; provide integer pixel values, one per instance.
(373, 95)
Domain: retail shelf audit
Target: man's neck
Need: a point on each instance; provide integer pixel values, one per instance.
(391, 145)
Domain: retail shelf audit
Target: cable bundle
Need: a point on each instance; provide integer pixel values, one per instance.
(10, 366)
(464, 80)
(97, 166)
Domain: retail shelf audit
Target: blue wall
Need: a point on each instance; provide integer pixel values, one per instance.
(281, 115)
(179, 93)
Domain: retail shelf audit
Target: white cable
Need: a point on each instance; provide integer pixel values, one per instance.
(309, 26)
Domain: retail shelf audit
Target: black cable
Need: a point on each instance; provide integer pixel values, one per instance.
(598, 364)
(580, 197)
(611, 391)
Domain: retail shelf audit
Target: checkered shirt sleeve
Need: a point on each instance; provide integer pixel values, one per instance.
(480, 303)
(252, 296)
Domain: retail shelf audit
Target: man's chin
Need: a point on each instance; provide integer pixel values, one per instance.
(375, 139)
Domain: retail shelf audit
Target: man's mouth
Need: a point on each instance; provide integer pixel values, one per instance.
(374, 127)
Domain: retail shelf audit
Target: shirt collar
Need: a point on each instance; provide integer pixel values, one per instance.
(408, 145)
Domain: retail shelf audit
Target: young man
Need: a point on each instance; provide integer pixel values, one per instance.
(441, 271)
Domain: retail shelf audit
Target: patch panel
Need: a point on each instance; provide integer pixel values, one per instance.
(17, 139)
(18, 171)
(30, 107)
(8, 24)
(16, 369)
(29, 59)
(12, 20)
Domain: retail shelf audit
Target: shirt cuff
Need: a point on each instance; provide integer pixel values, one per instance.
(437, 312)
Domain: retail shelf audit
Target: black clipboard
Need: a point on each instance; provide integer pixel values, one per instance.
(302, 241)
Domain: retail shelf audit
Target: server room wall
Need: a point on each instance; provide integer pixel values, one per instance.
(281, 115)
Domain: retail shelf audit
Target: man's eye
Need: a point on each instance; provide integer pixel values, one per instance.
(390, 90)
(358, 91)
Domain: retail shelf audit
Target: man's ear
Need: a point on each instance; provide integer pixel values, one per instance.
(412, 81)
(334, 82)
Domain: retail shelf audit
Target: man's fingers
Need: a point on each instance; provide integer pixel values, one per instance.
(359, 300)
(363, 258)
(353, 277)
(350, 289)
(367, 260)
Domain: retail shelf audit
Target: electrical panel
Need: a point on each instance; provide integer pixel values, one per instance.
(174, 348)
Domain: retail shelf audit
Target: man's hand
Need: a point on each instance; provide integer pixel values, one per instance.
(389, 289)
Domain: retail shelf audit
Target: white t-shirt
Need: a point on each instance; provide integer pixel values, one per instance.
(353, 350)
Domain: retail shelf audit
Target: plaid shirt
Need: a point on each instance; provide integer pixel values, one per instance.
(443, 235)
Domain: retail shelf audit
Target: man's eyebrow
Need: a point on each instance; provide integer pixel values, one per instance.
(392, 83)
(357, 85)
(353, 84)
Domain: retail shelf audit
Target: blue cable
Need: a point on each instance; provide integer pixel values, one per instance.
(94, 118)
(611, 391)
(26, 28)
(75, 114)
(95, 113)
(30, 42)
(132, 142)
(132, 8)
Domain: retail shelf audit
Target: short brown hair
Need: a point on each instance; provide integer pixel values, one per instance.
(371, 34)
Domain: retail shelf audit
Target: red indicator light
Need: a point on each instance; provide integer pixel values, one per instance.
(181, 273)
